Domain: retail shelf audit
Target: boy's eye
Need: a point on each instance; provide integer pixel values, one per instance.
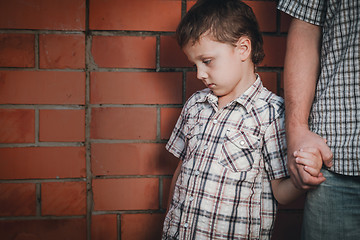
(207, 61)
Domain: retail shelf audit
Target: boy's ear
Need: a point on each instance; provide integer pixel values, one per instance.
(243, 46)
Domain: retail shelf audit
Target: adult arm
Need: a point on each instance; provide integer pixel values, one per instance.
(302, 65)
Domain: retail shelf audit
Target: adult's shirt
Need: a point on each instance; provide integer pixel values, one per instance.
(335, 113)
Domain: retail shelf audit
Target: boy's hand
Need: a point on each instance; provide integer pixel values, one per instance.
(311, 159)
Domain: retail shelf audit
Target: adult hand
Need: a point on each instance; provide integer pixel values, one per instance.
(302, 137)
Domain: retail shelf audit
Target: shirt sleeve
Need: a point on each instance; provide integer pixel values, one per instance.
(311, 11)
(275, 150)
(177, 142)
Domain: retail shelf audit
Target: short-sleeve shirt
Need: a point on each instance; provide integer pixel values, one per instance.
(335, 111)
(229, 156)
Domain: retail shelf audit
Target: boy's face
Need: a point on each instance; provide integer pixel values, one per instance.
(220, 66)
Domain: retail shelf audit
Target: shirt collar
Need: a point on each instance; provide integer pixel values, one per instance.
(247, 99)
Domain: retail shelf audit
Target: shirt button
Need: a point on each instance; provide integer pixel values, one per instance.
(215, 121)
(191, 198)
(206, 147)
(186, 225)
(197, 172)
(242, 143)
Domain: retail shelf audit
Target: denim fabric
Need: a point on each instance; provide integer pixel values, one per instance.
(332, 210)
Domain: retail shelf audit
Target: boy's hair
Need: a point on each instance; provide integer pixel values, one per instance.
(225, 20)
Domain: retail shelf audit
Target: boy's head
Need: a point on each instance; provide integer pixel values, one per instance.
(226, 21)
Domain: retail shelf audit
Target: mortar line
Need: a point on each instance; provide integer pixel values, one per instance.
(37, 52)
(38, 199)
(37, 126)
(89, 193)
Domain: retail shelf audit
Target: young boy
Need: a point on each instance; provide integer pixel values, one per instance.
(230, 137)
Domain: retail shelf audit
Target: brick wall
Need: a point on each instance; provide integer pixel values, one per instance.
(90, 91)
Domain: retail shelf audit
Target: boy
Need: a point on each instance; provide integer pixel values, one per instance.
(230, 137)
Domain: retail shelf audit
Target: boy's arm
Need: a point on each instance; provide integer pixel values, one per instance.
(285, 191)
(172, 186)
(302, 64)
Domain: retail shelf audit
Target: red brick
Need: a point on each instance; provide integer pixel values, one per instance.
(124, 51)
(193, 84)
(274, 48)
(54, 229)
(17, 50)
(42, 87)
(287, 226)
(17, 199)
(126, 194)
(43, 14)
(170, 53)
(269, 80)
(141, 226)
(136, 87)
(42, 162)
(166, 191)
(104, 227)
(131, 159)
(285, 21)
(265, 12)
(123, 123)
(168, 118)
(62, 51)
(138, 15)
(63, 198)
(189, 4)
(17, 125)
(62, 125)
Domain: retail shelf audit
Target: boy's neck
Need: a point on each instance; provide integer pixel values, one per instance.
(246, 82)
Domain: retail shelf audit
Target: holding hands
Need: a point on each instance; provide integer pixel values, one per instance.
(311, 159)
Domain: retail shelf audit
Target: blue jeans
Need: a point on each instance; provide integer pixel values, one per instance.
(332, 210)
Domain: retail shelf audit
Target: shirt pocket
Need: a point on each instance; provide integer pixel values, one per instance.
(240, 151)
(192, 138)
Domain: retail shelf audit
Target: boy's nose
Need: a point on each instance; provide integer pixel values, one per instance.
(201, 75)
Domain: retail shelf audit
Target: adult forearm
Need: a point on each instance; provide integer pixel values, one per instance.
(301, 71)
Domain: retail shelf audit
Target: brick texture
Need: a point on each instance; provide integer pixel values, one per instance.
(38, 87)
(17, 125)
(123, 123)
(17, 199)
(62, 125)
(124, 51)
(42, 162)
(104, 227)
(136, 15)
(136, 87)
(131, 159)
(43, 14)
(63, 198)
(17, 50)
(141, 226)
(89, 94)
(62, 51)
(54, 229)
(126, 194)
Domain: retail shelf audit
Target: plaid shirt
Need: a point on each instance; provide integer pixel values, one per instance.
(229, 157)
(336, 108)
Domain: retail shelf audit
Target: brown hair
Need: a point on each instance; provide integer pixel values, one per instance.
(226, 20)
